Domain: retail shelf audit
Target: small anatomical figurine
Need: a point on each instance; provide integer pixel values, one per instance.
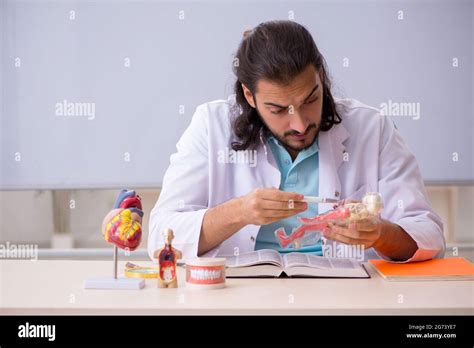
(167, 258)
(370, 206)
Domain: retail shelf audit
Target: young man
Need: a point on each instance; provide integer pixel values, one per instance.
(282, 136)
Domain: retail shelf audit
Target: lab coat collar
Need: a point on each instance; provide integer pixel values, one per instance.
(273, 179)
(331, 156)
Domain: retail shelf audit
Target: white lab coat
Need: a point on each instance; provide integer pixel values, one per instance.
(363, 153)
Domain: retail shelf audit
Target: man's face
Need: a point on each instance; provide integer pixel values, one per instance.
(291, 112)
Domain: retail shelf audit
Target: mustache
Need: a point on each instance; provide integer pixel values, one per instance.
(293, 132)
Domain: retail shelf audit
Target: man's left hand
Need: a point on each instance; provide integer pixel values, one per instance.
(366, 232)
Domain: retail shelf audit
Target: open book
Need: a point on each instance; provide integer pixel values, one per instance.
(270, 263)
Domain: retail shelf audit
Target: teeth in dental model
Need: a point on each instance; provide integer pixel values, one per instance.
(202, 274)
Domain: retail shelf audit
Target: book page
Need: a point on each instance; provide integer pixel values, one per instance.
(343, 263)
(302, 259)
(264, 256)
(319, 261)
(313, 261)
(295, 259)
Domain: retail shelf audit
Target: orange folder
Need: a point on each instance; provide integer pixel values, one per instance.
(456, 268)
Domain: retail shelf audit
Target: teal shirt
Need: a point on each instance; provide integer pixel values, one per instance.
(301, 176)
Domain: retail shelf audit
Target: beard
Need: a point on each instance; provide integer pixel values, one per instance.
(283, 138)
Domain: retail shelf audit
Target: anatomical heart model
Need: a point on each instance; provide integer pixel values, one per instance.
(122, 228)
(308, 233)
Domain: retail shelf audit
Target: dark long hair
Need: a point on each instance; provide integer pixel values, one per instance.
(276, 51)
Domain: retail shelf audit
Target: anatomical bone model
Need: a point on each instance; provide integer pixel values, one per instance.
(308, 233)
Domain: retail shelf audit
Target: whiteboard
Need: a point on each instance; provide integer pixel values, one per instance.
(95, 94)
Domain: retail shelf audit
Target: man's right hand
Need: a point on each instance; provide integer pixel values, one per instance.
(263, 206)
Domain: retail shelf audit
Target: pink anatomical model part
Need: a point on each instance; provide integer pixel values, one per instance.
(307, 233)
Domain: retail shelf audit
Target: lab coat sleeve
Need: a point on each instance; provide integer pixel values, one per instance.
(405, 198)
(183, 200)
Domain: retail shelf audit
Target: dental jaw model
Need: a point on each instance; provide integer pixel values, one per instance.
(308, 233)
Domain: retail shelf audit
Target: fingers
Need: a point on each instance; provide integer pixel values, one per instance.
(345, 239)
(287, 205)
(350, 234)
(366, 224)
(265, 217)
(268, 205)
(282, 196)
